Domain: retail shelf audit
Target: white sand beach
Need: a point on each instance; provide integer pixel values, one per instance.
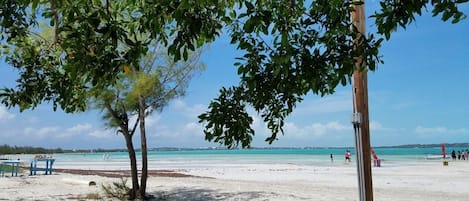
(429, 180)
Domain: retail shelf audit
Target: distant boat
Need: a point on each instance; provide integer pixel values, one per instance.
(436, 157)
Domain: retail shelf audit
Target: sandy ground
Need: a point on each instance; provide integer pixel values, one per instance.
(282, 182)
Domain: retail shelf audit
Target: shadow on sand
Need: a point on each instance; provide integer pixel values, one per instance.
(199, 194)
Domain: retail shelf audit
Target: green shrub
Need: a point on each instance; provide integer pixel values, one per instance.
(118, 190)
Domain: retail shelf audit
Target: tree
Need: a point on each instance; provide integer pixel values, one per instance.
(138, 93)
(95, 44)
(292, 49)
(93, 40)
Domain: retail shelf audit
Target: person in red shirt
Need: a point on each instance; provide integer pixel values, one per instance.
(348, 156)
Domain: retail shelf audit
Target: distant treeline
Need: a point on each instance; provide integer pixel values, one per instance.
(5, 149)
(427, 145)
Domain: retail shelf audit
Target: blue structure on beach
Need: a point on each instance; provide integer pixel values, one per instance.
(14, 167)
(33, 166)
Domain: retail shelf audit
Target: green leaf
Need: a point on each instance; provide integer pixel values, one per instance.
(249, 6)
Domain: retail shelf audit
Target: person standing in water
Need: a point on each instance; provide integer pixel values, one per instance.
(347, 156)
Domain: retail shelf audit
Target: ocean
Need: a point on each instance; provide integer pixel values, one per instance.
(183, 159)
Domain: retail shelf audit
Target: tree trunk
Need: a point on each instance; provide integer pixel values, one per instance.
(143, 182)
(133, 165)
(124, 122)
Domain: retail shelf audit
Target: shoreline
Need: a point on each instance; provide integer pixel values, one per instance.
(277, 182)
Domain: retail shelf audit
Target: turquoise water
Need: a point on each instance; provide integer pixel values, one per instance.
(266, 155)
(206, 158)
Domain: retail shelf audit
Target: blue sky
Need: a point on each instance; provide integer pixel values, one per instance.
(420, 95)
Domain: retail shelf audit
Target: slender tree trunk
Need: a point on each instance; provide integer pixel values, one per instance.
(124, 122)
(133, 165)
(143, 182)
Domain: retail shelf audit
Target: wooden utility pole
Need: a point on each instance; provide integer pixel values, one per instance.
(360, 117)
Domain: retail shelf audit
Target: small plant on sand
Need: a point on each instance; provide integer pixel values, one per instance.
(118, 190)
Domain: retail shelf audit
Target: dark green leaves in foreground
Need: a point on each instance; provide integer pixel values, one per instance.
(292, 48)
(14, 19)
(402, 13)
(228, 115)
(88, 43)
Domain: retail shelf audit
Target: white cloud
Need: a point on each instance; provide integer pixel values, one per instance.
(41, 132)
(47, 130)
(440, 130)
(374, 125)
(178, 104)
(424, 130)
(193, 127)
(102, 133)
(259, 125)
(315, 129)
(5, 115)
(191, 111)
(80, 128)
(32, 120)
(152, 120)
(339, 102)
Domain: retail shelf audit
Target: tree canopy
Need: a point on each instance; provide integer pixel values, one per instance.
(293, 48)
(93, 42)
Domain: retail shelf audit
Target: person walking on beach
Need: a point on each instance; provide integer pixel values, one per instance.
(347, 156)
(332, 158)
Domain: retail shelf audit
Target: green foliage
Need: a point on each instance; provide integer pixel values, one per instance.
(193, 23)
(157, 79)
(91, 43)
(14, 18)
(402, 13)
(292, 49)
(235, 125)
(137, 93)
(118, 190)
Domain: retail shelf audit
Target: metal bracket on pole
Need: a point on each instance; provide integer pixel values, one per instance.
(356, 118)
(356, 121)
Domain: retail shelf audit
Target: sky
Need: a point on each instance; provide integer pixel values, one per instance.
(420, 95)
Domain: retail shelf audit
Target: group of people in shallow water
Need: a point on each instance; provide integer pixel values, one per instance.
(460, 155)
(347, 155)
